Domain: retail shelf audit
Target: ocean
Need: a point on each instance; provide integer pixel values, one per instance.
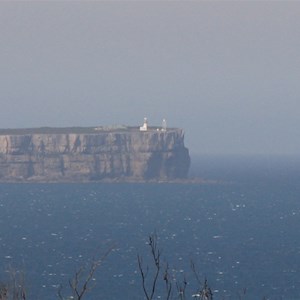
(240, 228)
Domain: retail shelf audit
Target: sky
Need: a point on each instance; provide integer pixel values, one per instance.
(228, 73)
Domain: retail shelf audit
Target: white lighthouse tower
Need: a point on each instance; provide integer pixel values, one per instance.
(145, 125)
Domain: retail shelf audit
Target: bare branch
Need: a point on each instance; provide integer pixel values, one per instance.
(156, 254)
(168, 282)
(181, 287)
(16, 288)
(143, 275)
(79, 286)
(193, 267)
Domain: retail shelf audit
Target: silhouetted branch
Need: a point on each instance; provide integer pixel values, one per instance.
(193, 267)
(16, 289)
(3, 291)
(242, 294)
(79, 287)
(181, 287)
(168, 281)
(155, 253)
(205, 292)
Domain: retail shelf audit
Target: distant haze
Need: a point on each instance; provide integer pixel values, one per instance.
(226, 72)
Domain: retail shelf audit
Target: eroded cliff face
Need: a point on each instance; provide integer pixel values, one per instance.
(94, 156)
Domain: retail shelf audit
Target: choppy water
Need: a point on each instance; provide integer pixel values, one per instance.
(243, 233)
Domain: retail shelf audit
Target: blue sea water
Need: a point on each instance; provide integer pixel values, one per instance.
(241, 231)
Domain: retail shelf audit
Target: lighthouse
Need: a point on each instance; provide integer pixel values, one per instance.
(145, 125)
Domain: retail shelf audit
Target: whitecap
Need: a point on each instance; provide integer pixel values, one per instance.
(217, 236)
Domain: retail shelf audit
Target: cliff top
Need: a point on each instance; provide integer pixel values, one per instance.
(74, 130)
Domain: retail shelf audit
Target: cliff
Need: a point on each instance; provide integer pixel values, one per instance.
(83, 154)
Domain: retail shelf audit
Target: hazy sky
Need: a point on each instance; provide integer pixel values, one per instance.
(226, 72)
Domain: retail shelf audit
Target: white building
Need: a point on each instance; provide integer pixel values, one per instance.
(164, 125)
(145, 125)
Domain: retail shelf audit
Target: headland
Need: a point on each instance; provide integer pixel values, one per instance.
(84, 154)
